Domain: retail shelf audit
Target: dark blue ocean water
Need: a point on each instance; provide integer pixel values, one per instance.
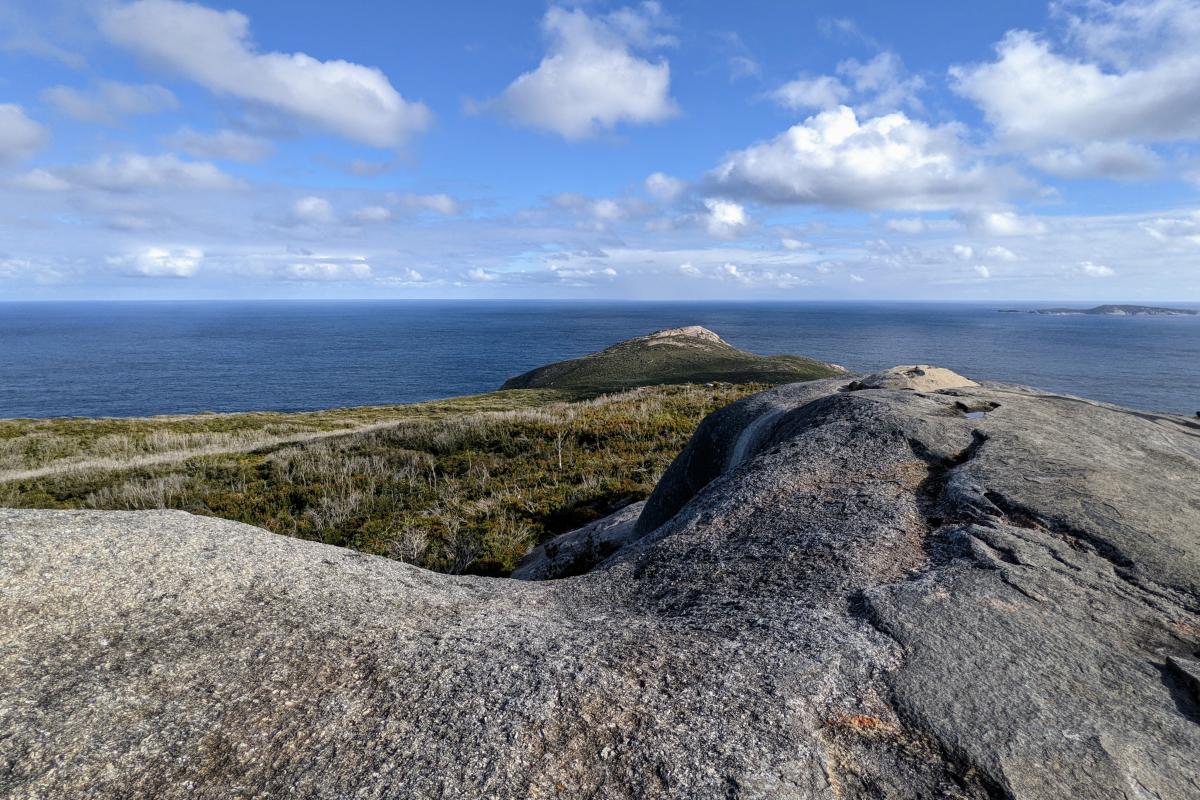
(125, 359)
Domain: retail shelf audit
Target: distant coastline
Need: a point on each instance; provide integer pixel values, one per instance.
(1107, 311)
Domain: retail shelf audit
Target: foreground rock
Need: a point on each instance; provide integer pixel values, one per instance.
(831, 594)
(678, 355)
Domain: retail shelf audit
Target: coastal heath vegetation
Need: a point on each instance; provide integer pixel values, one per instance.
(464, 485)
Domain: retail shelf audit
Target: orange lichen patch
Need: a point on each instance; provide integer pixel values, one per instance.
(1187, 629)
(862, 723)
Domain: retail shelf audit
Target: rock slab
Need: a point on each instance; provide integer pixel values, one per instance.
(977, 592)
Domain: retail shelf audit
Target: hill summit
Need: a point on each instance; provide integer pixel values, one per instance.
(691, 354)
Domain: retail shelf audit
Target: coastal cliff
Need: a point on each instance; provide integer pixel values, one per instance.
(907, 585)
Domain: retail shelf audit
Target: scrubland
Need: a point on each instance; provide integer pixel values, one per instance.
(462, 485)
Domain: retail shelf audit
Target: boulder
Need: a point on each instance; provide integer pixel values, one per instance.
(915, 377)
(881, 593)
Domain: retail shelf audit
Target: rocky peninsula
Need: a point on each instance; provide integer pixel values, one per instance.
(898, 586)
(1108, 311)
(691, 354)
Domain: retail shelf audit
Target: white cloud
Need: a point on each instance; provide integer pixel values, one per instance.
(854, 278)
(834, 159)
(589, 79)
(811, 93)
(983, 271)
(882, 84)
(1004, 223)
(133, 172)
(877, 86)
(793, 244)
(371, 214)
(1120, 160)
(39, 180)
(1134, 77)
(725, 219)
(161, 262)
(327, 271)
(665, 188)
(20, 137)
(910, 226)
(313, 210)
(108, 101)
(964, 252)
(215, 49)
(1172, 230)
(480, 275)
(440, 203)
(1001, 253)
(600, 213)
(221, 145)
(1093, 270)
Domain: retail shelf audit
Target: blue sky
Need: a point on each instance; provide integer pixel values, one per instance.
(818, 150)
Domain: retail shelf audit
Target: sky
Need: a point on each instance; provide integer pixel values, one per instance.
(849, 150)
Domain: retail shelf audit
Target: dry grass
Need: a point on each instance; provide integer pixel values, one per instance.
(459, 487)
(31, 448)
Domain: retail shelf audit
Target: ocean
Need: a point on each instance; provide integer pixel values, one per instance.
(142, 358)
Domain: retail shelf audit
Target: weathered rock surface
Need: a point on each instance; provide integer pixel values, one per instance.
(831, 594)
(917, 377)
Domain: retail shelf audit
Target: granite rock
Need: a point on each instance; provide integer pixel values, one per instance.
(976, 592)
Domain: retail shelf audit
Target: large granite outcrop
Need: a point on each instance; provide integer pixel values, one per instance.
(977, 592)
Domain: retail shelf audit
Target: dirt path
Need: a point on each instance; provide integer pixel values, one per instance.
(174, 456)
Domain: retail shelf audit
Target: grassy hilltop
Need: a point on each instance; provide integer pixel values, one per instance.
(465, 484)
(678, 355)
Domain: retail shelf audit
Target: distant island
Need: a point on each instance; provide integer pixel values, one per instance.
(690, 354)
(1108, 311)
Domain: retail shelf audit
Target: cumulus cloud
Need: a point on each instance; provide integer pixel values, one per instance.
(834, 159)
(1174, 230)
(327, 271)
(725, 219)
(134, 172)
(811, 93)
(910, 226)
(108, 101)
(1120, 160)
(590, 79)
(40, 180)
(964, 252)
(438, 203)
(20, 137)
(1004, 223)
(313, 210)
(221, 145)
(665, 188)
(215, 49)
(879, 85)
(1093, 270)
(1132, 76)
(371, 214)
(999, 253)
(983, 271)
(480, 275)
(160, 262)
